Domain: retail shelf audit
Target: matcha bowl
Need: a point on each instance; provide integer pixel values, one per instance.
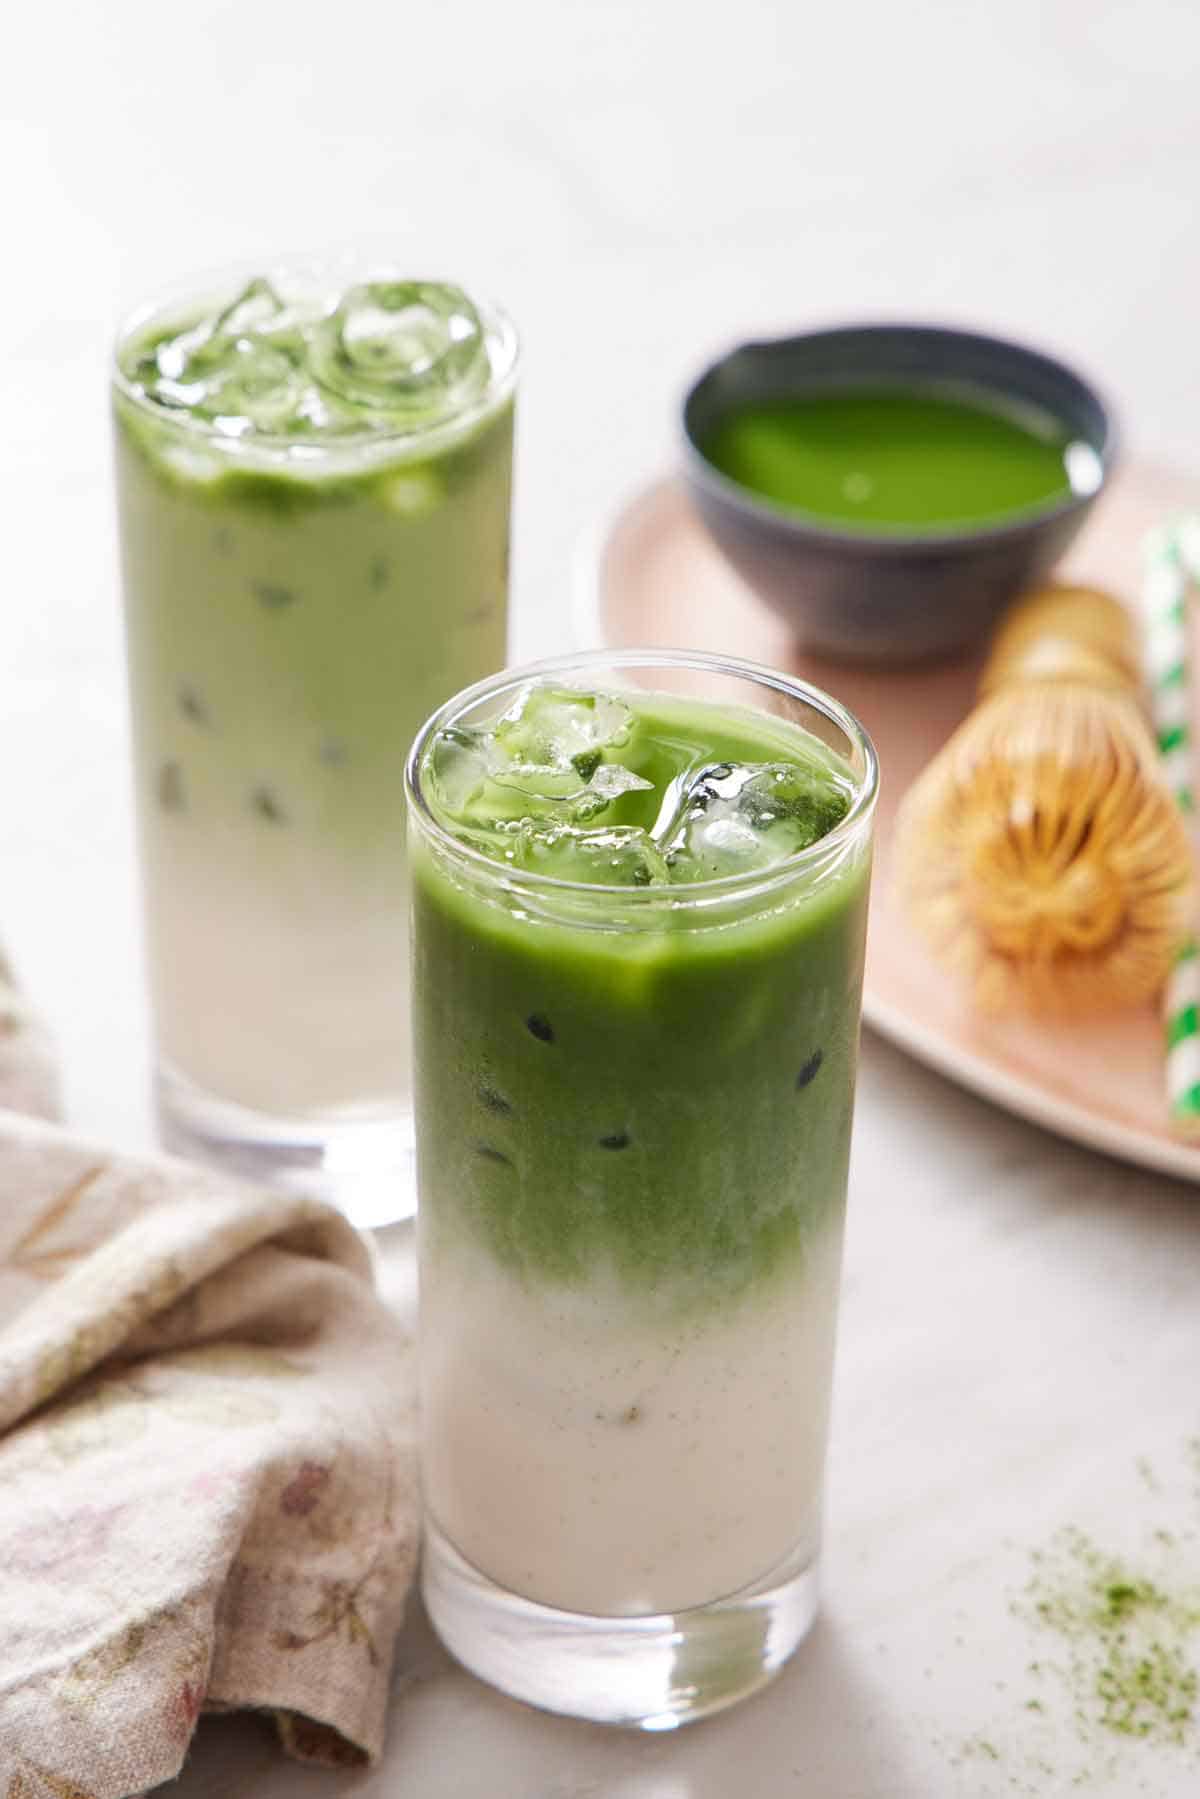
(888, 489)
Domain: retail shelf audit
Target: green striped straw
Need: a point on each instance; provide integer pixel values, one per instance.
(1172, 562)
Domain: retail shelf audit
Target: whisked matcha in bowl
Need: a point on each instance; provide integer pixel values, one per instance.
(896, 458)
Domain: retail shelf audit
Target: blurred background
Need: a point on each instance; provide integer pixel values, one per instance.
(640, 182)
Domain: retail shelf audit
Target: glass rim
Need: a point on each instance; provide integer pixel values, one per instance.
(195, 288)
(510, 680)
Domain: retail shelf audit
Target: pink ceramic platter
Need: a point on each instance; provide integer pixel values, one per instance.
(652, 577)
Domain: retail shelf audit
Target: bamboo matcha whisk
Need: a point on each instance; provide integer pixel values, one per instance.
(1041, 852)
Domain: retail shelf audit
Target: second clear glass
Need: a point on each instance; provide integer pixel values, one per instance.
(314, 483)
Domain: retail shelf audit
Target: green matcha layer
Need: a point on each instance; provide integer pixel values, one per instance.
(284, 650)
(901, 458)
(668, 1099)
(314, 511)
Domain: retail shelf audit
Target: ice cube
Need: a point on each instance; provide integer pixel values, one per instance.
(402, 347)
(543, 762)
(606, 781)
(415, 492)
(457, 766)
(583, 787)
(622, 856)
(287, 329)
(735, 818)
(550, 781)
(227, 371)
(191, 462)
(257, 305)
(256, 383)
(556, 725)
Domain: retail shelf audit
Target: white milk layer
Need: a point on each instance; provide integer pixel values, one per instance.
(287, 995)
(584, 1453)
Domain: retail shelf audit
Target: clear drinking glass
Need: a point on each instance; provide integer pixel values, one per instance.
(314, 470)
(633, 1120)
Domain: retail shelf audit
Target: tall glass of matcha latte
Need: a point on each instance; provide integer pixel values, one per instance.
(640, 889)
(314, 474)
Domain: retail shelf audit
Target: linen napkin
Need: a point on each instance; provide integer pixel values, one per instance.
(208, 1493)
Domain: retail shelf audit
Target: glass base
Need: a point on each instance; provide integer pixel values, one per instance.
(646, 1673)
(365, 1167)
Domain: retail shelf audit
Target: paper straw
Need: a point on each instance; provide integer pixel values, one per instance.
(1172, 563)
(1181, 1013)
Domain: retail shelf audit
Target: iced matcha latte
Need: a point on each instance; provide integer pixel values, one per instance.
(314, 482)
(640, 890)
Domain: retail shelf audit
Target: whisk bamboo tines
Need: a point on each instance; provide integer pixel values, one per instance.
(1041, 852)
(1060, 633)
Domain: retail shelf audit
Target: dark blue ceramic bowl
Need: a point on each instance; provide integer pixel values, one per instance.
(868, 595)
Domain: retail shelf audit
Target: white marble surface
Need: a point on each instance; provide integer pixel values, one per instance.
(641, 181)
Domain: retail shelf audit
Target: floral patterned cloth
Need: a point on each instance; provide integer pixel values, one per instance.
(208, 1490)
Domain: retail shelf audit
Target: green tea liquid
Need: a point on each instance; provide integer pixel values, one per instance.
(894, 457)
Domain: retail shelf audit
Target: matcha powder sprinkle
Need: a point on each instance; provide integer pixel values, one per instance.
(1125, 1639)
